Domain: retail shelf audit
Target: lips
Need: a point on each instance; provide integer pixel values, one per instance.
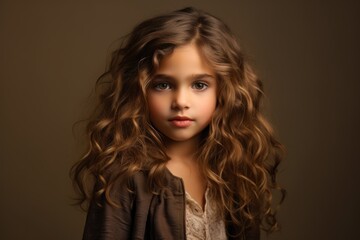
(181, 121)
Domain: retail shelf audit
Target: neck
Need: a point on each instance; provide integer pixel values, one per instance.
(182, 150)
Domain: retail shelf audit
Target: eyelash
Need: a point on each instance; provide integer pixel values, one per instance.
(157, 86)
(205, 85)
(195, 86)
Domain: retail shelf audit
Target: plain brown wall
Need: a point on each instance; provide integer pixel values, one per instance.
(306, 52)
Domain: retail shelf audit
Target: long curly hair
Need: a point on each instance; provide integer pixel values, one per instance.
(239, 152)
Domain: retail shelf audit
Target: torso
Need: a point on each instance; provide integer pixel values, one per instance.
(154, 216)
(206, 223)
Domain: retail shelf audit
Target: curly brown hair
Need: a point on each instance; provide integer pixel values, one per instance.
(239, 152)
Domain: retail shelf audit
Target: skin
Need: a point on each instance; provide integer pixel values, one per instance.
(183, 86)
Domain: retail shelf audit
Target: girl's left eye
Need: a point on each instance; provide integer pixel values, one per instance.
(200, 85)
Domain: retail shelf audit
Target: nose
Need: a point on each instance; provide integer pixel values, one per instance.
(181, 99)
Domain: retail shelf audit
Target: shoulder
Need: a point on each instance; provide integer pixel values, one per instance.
(132, 183)
(141, 185)
(165, 181)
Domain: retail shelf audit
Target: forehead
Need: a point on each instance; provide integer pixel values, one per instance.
(185, 60)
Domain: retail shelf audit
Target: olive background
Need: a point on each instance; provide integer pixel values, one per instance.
(305, 52)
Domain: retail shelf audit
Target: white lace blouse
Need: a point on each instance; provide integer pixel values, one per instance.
(203, 224)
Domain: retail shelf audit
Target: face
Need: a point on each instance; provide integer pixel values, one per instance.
(182, 94)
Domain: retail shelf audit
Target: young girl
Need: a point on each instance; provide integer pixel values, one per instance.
(178, 148)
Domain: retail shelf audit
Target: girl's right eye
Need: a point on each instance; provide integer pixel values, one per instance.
(162, 86)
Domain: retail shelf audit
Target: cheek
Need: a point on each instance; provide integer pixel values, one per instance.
(156, 106)
(208, 107)
(212, 102)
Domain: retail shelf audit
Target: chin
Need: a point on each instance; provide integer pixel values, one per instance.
(181, 138)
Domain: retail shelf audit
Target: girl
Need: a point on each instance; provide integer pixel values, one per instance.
(178, 148)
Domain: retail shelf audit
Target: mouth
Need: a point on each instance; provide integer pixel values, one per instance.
(181, 122)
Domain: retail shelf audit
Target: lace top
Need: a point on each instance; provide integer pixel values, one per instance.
(206, 224)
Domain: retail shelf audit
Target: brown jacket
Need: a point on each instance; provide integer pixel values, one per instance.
(144, 215)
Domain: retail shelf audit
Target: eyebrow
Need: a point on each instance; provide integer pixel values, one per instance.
(193, 76)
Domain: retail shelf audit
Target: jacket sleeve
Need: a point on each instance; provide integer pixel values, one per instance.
(107, 222)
